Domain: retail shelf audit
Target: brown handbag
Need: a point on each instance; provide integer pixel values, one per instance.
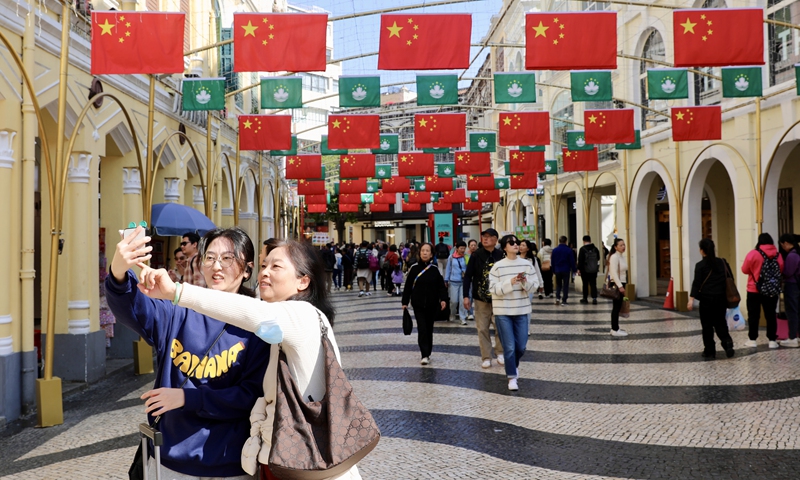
(316, 440)
(731, 292)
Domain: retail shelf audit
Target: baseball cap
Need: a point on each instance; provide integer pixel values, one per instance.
(490, 231)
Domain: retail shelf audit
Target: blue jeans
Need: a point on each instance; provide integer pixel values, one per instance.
(337, 277)
(791, 298)
(513, 331)
(454, 289)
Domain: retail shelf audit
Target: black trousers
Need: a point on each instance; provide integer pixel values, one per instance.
(425, 319)
(755, 302)
(712, 318)
(589, 283)
(547, 276)
(615, 308)
(562, 285)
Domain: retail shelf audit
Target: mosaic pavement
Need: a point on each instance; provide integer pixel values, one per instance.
(589, 406)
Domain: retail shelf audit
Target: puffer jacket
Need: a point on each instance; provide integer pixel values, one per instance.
(752, 264)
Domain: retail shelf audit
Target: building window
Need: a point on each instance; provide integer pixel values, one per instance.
(255, 103)
(784, 42)
(563, 116)
(595, 6)
(653, 49)
(314, 83)
(310, 115)
(232, 80)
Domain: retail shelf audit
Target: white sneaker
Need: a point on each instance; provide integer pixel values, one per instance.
(470, 317)
(773, 344)
(501, 360)
(463, 322)
(751, 344)
(361, 293)
(793, 343)
(486, 364)
(369, 294)
(512, 384)
(425, 361)
(619, 333)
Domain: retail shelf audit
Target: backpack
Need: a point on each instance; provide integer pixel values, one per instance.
(362, 260)
(372, 263)
(442, 252)
(592, 261)
(769, 279)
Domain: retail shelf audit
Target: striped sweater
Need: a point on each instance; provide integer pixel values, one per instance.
(508, 299)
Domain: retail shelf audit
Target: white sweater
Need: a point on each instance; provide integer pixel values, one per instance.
(618, 269)
(508, 298)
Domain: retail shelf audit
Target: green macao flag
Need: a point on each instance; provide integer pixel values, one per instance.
(367, 198)
(507, 168)
(591, 86)
(473, 196)
(437, 89)
(335, 189)
(203, 94)
(419, 185)
(436, 150)
(667, 83)
(532, 148)
(390, 144)
(281, 92)
(551, 167)
(383, 171)
(324, 150)
(635, 145)
(482, 142)
(323, 174)
(741, 82)
(360, 91)
(446, 170)
(515, 87)
(435, 197)
(501, 183)
(577, 141)
(373, 186)
(283, 153)
(797, 76)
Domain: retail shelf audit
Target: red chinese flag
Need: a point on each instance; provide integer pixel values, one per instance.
(480, 183)
(579, 160)
(137, 42)
(355, 185)
(419, 197)
(524, 128)
(349, 198)
(571, 41)
(609, 126)
(303, 166)
(318, 199)
(354, 131)
(379, 207)
(442, 206)
(526, 162)
(718, 37)
(526, 181)
(410, 207)
(317, 208)
(438, 184)
(472, 206)
(312, 187)
(385, 197)
(357, 165)
(697, 123)
(396, 185)
(265, 132)
(455, 196)
(348, 207)
(414, 164)
(489, 195)
(277, 42)
(424, 41)
(468, 163)
(440, 130)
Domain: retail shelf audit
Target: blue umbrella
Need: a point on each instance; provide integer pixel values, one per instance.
(175, 219)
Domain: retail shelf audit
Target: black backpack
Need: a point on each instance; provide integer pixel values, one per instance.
(769, 279)
(362, 259)
(442, 252)
(592, 263)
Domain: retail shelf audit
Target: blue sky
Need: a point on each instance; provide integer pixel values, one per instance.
(360, 35)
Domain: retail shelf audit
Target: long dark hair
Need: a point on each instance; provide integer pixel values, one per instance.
(243, 252)
(707, 246)
(308, 262)
(788, 238)
(764, 239)
(531, 250)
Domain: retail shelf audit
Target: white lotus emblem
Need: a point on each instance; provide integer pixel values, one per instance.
(668, 87)
(359, 94)
(515, 90)
(385, 145)
(548, 167)
(203, 97)
(591, 88)
(741, 84)
(281, 95)
(447, 170)
(382, 172)
(421, 187)
(501, 183)
(370, 188)
(482, 143)
(580, 142)
(437, 92)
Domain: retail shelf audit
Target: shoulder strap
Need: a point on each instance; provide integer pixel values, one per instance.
(420, 274)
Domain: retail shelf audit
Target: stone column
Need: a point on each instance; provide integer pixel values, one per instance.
(172, 193)
(9, 359)
(198, 198)
(131, 195)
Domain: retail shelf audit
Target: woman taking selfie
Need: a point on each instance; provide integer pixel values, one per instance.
(427, 294)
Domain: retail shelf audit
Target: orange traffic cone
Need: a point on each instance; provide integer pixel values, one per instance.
(669, 302)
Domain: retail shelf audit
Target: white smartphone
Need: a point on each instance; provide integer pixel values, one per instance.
(129, 232)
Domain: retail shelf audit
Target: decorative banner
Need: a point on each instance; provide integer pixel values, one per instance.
(455, 196)
(480, 183)
(422, 41)
(526, 162)
(439, 184)
(501, 183)
(440, 130)
(279, 42)
(609, 126)
(524, 128)
(667, 83)
(437, 89)
(379, 208)
(472, 205)
(265, 132)
(482, 142)
(316, 208)
(138, 42)
(635, 145)
(355, 185)
(447, 170)
(577, 141)
(282, 92)
(318, 199)
(507, 169)
(534, 148)
(571, 41)
(373, 186)
(487, 196)
(303, 166)
(441, 206)
(385, 197)
(473, 163)
(357, 165)
(285, 153)
(591, 86)
(325, 150)
(741, 82)
(419, 185)
(797, 77)
(354, 131)
(390, 144)
(349, 208)
(409, 207)
(415, 164)
(515, 87)
(359, 91)
(201, 94)
(367, 198)
(345, 198)
(581, 161)
(521, 182)
(383, 171)
(551, 167)
(419, 197)
(696, 123)
(396, 185)
(441, 151)
(312, 187)
(718, 37)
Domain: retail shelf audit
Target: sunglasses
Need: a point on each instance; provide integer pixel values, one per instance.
(512, 242)
(183, 244)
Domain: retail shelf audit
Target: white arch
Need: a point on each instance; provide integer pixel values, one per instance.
(773, 180)
(227, 201)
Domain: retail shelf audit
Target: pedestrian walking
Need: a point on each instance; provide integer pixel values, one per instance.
(527, 251)
(476, 280)
(426, 293)
(588, 266)
(618, 272)
(329, 261)
(363, 272)
(454, 273)
(442, 252)
(337, 268)
(547, 269)
(472, 247)
(791, 293)
(347, 266)
(764, 269)
(710, 277)
(397, 280)
(563, 265)
(510, 281)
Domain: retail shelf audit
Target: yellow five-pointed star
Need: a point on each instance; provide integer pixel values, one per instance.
(249, 29)
(540, 30)
(592, 119)
(247, 123)
(106, 27)
(394, 30)
(423, 122)
(688, 26)
(507, 121)
(336, 123)
(679, 115)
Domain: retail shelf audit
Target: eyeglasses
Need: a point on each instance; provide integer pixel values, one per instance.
(512, 242)
(225, 261)
(183, 244)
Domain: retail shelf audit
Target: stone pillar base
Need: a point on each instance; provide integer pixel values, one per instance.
(121, 343)
(30, 372)
(10, 398)
(79, 358)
